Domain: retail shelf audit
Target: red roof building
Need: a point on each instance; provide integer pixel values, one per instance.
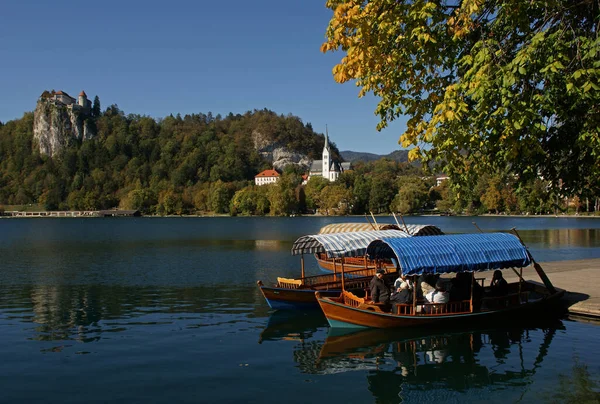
(266, 177)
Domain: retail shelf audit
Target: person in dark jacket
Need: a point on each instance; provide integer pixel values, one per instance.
(380, 293)
(402, 295)
(499, 286)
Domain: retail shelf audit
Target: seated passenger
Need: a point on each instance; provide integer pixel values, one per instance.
(499, 286)
(439, 294)
(401, 295)
(402, 279)
(426, 283)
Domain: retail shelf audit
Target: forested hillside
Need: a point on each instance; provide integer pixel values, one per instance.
(159, 166)
(200, 164)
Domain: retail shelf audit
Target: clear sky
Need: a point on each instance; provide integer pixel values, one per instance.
(160, 57)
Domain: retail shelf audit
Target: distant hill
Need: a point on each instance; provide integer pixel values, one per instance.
(400, 156)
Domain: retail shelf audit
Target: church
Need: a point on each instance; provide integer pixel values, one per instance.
(327, 168)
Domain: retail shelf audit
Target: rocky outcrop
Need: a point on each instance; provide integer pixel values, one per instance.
(277, 153)
(55, 126)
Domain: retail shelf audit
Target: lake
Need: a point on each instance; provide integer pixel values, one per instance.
(167, 310)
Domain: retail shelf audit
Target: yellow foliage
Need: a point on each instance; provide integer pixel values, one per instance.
(414, 154)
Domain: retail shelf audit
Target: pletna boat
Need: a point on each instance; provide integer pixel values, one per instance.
(451, 254)
(328, 264)
(299, 293)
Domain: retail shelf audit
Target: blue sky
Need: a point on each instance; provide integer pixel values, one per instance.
(156, 57)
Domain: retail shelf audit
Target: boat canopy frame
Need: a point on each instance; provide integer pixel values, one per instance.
(412, 229)
(452, 253)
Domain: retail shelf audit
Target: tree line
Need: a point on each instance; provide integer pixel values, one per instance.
(200, 163)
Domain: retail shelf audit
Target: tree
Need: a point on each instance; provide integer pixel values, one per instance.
(487, 84)
(96, 110)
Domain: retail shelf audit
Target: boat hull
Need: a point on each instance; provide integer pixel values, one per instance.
(328, 265)
(294, 299)
(340, 315)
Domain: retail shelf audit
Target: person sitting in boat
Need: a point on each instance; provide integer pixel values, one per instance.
(499, 286)
(426, 283)
(402, 279)
(461, 286)
(401, 295)
(439, 294)
(380, 292)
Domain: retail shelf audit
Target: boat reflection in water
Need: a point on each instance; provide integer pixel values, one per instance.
(425, 364)
(293, 325)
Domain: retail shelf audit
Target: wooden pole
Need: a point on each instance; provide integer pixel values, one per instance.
(404, 223)
(472, 287)
(520, 283)
(343, 276)
(374, 221)
(477, 227)
(368, 221)
(414, 310)
(302, 265)
(538, 267)
(334, 270)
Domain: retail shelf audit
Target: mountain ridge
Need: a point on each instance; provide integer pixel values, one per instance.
(400, 156)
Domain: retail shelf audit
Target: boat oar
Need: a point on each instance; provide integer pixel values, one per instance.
(538, 267)
(403, 222)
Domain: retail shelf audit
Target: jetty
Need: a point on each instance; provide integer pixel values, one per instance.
(73, 213)
(580, 279)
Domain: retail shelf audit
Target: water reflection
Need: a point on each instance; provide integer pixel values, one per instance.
(89, 313)
(293, 325)
(420, 364)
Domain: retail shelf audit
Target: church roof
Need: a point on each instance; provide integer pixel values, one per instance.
(267, 173)
(316, 166)
(82, 93)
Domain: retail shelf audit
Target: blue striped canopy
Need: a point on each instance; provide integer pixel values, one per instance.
(453, 253)
(351, 244)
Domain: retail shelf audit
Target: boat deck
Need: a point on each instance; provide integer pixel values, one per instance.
(580, 278)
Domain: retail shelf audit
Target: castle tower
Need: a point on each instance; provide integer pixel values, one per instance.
(326, 157)
(82, 101)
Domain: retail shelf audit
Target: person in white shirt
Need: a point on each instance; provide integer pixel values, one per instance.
(439, 294)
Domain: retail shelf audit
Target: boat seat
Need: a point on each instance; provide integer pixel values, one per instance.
(289, 283)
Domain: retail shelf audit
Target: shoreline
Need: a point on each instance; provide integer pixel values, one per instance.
(118, 213)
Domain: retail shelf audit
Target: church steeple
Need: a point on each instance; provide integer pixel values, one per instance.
(326, 157)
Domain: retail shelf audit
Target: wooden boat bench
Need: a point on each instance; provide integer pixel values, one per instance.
(289, 283)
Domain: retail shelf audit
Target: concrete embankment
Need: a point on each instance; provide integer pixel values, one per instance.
(580, 278)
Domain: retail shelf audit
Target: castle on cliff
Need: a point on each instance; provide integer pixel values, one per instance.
(62, 99)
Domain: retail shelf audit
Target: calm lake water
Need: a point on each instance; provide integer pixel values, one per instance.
(167, 310)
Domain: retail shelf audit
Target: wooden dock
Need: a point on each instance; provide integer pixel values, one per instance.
(580, 278)
(74, 213)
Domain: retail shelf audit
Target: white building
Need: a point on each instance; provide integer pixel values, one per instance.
(440, 179)
(327, 168)
(266, 177)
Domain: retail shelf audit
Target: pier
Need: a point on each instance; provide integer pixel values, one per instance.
(580, 279)
(74, 213)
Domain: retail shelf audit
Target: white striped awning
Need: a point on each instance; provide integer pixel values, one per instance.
(348, 244)
(412, 229)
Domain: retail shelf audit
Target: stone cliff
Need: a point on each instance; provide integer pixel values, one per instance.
(278, 153)
(55, 126)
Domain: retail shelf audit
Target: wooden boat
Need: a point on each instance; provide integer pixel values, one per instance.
(445, 255)
(328, 264)
(299, 293)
